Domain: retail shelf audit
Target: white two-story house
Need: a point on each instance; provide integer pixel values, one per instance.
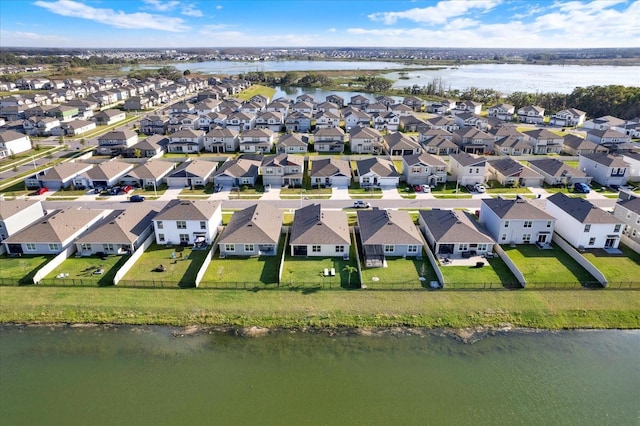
(516, 221)
(467, 169)
(188, 222)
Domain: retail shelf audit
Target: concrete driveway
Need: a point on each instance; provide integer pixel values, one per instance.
(390, 193)
(340, 193)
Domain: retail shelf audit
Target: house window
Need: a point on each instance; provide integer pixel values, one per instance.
(181, 224)
(203, 224)
(85, 247)
(159, 224)
(528, 224)
(463, 247)
(54, 247)
(248, 248)
(506, 223)
(31, 247)
(587, 227)
(161, 238)
(634, 232)
(526, 238)
(229, 247)
(412, 249)
(315, 249)
(617, 228)
(339, 249)
(107, 247)
(592, 241)
(548, 224)
(504, 237)
(184, 238)
(482, 247)
(389, 249)
(416, 170)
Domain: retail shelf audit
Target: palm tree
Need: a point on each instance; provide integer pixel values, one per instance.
(349, 270)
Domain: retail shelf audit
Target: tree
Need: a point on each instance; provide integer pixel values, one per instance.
(137, 153)
(83, 142)
(349, 270)
(186, 73)
(60, 140)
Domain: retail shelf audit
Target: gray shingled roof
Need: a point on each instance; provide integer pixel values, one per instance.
(581, 209)
(632, 204)
(121, 226)
(466, 159)
(260, 223)
(377, 165)
(241, 167)
(606, 159)
(56, 227)
(330, 167)
(453, 226)
(387, 227)
(194, 168)
(556, 168)
(9, 208)
(424, 158)
(64, 171)
(154, 169)
(516, 209)
(108, 170)
(188, 210)
(311, 225)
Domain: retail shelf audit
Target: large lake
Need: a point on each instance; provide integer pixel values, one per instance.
(145, 375)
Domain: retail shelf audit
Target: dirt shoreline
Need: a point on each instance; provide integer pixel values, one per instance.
(468, 335)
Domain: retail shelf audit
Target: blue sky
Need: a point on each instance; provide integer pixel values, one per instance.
(359, 23)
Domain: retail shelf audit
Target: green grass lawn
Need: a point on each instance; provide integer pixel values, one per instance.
(199, 190)
(494, 274)
(493, 187)
(180, 271)
(399, 273)
(619, 270)
(81, 271)
(547, 268)
(309, 272)
(256, 89)
(20, 270)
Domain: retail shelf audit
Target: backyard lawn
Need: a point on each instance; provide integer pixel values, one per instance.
(494, 274)
(547, 268)
(309, 272)
(84, 271)
(619, 270)
(399, 273)
(179, 271)
(20, 270)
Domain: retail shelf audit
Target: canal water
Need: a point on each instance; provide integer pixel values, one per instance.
(147, 375)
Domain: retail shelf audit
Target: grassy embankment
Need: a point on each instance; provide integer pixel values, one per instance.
(537, 309)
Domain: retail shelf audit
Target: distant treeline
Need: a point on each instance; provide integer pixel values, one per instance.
(7, 58)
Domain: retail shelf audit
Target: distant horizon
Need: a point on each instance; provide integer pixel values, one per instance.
(181, 24)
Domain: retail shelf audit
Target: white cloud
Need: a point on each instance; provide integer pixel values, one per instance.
(438, 14)
(113, 18)
(332, 30)
(20, 38)
(218, 7)
(161, 6)
(190, 10)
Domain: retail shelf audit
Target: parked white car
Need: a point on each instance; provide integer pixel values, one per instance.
(480, 188)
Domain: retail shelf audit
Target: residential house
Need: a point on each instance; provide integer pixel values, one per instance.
(282, 170)
(326, 119)
(558, 173)
(182, 107)
(57, 177)
(221, 140)
(152, 147)
(467, 169)
(386, 121)
(52, 233)
(359, 102)
(149, 175)
(188, 222)
(439, 145)
(241, 171)
(516, 221)
(400, 144)
(240, 121)
(335, 99)
(330, 172)
(305, 97)
(365, 140)
(502, 112)
(633, 160)
(604, 168)
(607, 122)
(413, 102)
(512, 145)
(505, 129)
(191, 173)
(419, 169)
(105, 174)
(116, 141)
(411, 123)
(575, 145)
(385, 100)
(377, 171)
(307, 108)
(544, 142)
(17, 214)
(298, 122)
(509, 172)
(329, 140)
(607, 136)
(469, 119)
(121, 232)
(137, 103)
(582, 224)
(401, 110)
(531, 114)
(467, 106)
(256, 141)
(473, 141)
(354, 118)
(273, 121)
(568, 118)
(376, 108)
(253, 231)
(315, 232)
(109, 117)
(443, 123)
(292, 143)
(13, 143)
(186, 141)
(279, 106)
(454, 233)
(441, 107)
(329, 107)
(183, 122)
(74, 128)
(40, 126)
(154, 124)
(388, 233)
(63, 112)
(627, 210)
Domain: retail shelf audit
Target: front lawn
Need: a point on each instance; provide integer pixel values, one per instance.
(399, 273)
(181, 265)
(83, 271)
(20, 270)
(619, 270)
(199, 190)
(493, 187)
(548, 268)
(494, 274)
